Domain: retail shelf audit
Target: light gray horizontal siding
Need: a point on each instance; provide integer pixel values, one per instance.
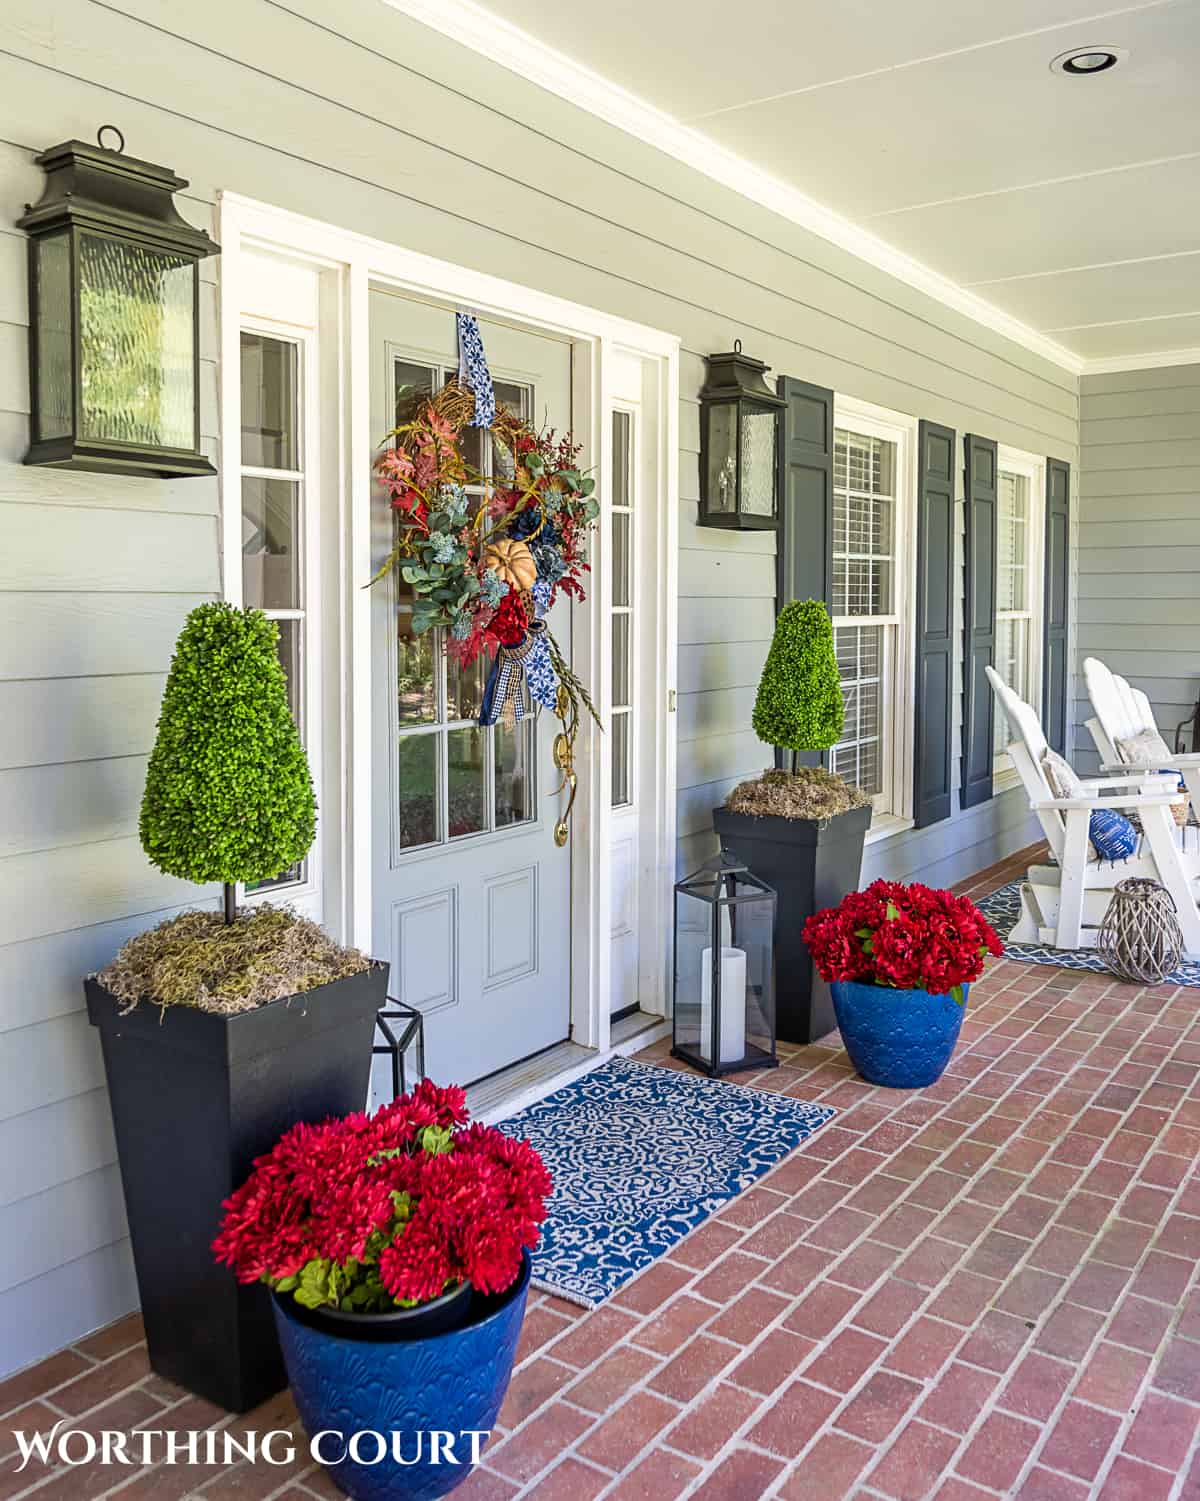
(1139, 538)
(390, 130)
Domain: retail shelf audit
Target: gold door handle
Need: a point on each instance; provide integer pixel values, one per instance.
(564, 759)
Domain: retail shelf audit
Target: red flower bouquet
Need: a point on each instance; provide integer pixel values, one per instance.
(371, 1213)
(908, 937)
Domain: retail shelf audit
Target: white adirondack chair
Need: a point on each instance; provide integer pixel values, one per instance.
(1123, 711)
(1062, 905)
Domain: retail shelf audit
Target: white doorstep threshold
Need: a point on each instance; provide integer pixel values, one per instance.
(533, 1079)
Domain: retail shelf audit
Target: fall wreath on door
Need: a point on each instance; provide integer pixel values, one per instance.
(486, 557)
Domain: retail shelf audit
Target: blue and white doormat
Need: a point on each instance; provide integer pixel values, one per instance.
(1003, 908)
(640, 1156)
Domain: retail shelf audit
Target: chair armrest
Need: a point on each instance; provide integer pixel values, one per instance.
(1122, 782)
(1069, 804)
(1124, 769)
(1176, 763)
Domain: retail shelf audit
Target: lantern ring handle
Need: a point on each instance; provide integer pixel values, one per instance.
(737, 346)
(120, 135)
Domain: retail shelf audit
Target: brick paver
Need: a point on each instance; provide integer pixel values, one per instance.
(984, 1289)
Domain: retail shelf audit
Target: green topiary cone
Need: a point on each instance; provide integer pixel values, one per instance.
(799, 705)
(228, 792)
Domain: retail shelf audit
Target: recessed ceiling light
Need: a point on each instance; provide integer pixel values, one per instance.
(1082, 62)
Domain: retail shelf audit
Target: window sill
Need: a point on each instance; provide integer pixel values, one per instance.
(885, 827)
(1005, 781)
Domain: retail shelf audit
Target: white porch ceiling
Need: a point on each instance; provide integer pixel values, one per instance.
(1070, 203)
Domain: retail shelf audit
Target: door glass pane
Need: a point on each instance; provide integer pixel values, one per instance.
(416, 692)
(290, 634)
(620, 760)
(514, 773)
(464, 689)
(621, 560)
(418, 790)
(622, 435)
(518, 400)
(270, 553)
(620, 663)
(465, 755)
(270, 378)
(290, 637)
(408, 382)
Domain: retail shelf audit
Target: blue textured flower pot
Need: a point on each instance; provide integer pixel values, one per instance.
(407, 1389)
(901, 1039)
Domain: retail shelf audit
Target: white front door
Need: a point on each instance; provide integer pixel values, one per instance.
(471, 898)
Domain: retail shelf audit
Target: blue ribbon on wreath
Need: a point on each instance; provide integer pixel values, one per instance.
(519, 667)
(473, 370)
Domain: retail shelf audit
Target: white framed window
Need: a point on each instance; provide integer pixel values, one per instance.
(624, 623)
(271, 500)
(1020, 545)
(874, 490)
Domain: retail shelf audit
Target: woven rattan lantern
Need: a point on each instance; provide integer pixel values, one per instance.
(1140, 939)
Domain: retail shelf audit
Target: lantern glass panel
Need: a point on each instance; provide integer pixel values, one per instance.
(136, 344)
(54, 336)
(724, 970)
(722, 474)
(758, 461)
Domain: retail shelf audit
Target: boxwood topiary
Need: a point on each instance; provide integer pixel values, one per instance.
(228, 792)
(799, 705)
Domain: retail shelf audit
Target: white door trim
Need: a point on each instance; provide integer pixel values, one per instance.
(350, 264)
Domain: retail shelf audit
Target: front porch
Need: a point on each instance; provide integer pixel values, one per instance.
(985, 1288)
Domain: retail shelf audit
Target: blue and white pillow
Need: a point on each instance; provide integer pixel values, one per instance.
(1113, 836)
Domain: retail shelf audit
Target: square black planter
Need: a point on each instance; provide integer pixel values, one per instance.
(811, 865)
(196, 1098)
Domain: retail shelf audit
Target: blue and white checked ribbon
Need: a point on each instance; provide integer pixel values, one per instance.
(473, 370)
(530, 661)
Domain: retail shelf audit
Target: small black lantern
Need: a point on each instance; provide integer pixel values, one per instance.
(724, 969)
(114, 316)
(739, 421)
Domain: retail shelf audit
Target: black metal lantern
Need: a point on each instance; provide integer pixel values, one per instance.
(114, 316)
(724, 969)
(739, 421)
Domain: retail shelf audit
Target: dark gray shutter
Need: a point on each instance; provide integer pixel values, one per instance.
(1054, 648)
(804, 558)
(933, 709)
(804, 542)
(979, 619)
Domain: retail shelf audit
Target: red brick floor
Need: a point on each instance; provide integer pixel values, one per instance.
(986, 1288)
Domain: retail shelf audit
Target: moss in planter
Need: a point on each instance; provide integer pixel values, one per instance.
(808, 792)
(198, 960)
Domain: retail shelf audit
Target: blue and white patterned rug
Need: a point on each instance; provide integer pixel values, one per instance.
(1003, 908)
(640, 1156)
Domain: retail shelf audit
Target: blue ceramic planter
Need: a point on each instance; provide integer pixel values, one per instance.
(451, 1383)
(901, 1039)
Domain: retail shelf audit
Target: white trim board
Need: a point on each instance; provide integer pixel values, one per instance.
(501, 42)
(1161, 360)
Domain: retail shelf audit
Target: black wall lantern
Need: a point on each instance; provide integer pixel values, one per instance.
(114, 316)
(739, 421)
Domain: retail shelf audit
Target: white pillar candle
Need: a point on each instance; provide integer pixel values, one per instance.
(732, 1042)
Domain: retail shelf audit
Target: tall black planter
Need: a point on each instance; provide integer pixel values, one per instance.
(811, 865)
(196, 1098)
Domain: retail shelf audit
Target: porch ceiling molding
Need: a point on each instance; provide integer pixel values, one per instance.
(484, 32)
(1142, 361)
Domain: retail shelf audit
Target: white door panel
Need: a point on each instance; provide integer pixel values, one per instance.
(470, 895)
